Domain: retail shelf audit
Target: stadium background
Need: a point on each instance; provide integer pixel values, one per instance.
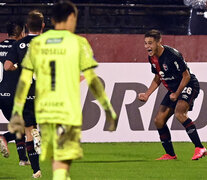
(115, 31)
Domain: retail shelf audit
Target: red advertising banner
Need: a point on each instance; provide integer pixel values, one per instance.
(130, 47)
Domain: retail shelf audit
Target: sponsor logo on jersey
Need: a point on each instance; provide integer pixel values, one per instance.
(184, 96)
(5, 46)
(54, 40)
(5, 94)
(168, 78)
(30, 97)
(23, 45)
(162, 75)
(3, 53)
(52, 104)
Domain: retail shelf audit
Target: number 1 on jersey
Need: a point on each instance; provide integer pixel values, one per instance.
(52, 73)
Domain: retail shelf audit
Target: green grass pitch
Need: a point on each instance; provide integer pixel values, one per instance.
(118, 161)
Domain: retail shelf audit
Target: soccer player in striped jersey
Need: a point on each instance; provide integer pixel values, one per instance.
(183, 88)
(58, 57)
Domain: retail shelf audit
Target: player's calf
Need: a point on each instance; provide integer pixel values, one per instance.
(3, 147)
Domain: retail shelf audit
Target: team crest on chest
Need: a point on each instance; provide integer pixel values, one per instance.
(165, 67)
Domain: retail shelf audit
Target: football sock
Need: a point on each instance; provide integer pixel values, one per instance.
(33, 156)
(68, 178)
(192, 132)
(9, 136)
(20, 144)
(60, 174)
(165, 138)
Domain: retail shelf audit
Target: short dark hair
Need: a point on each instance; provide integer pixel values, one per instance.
(62, 10)
(156, 34)
(14, 28)
(35, 20)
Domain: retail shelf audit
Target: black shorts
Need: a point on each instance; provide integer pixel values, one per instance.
(189, 94)
(29, 114)
(6, 105)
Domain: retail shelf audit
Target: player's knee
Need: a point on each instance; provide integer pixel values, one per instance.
(158, 123)
(179, 116)
(28, 132)
(29, 137)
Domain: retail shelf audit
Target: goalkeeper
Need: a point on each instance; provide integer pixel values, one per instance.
(57, 57)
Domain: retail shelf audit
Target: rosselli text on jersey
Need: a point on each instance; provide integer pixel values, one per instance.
(56, 51)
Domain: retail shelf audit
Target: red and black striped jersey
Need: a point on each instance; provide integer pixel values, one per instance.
(170, 66)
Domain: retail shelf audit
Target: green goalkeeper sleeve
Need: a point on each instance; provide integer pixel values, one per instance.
(98, 91)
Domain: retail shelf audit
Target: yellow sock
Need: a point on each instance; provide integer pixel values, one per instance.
(60, 174)
(68, 178)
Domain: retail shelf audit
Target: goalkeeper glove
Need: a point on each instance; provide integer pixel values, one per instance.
(111, 116)
(16, 125)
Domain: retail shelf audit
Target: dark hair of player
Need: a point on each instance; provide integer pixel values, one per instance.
(62, 10)
(156, 34)
(35, 20)
(14, 28)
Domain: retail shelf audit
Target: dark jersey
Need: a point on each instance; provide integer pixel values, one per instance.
(16, 55)
(198, 23)
(170, 66)
(8, 79)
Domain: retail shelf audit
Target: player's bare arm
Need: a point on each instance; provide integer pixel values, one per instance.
(9, 66)
(154, 85)
(183, 83)
(98, 91)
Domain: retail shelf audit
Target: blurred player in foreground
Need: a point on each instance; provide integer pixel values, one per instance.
(198, 17)
(57, 57)
(170, 68)
(8, 84)
(35, 25)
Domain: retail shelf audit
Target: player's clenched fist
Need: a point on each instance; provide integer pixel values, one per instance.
(173, 97)
(143, 97)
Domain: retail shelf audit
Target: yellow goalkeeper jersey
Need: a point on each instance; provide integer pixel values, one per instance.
(57, 58)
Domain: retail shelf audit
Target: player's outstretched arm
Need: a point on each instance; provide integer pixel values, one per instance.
(16, 124)
(98, 91)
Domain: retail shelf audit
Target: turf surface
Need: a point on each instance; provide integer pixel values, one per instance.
(118, 161)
